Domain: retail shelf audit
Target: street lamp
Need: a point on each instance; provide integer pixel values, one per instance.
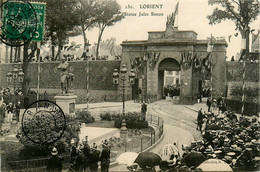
(123, 71)
(15, 76)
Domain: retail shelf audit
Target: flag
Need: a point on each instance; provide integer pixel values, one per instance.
(205, 61)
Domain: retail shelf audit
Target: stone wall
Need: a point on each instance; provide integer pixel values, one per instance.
(100, 81)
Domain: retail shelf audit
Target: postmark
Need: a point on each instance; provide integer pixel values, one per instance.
(18, 22)
(43, 122)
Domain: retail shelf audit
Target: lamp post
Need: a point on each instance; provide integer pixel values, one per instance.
(15, 77)
(131, 76)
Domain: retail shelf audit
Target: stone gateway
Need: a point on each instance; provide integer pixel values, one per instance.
(174, 50)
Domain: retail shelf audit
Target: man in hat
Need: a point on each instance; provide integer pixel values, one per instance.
(143, 110)
(73, 152)
(105, 157)
(79, 160)
(86, 152)
(199, 119)
(10, 111)
(63, 67)
(94, 158)
(54, 164)
(209, 104)
(17, 110)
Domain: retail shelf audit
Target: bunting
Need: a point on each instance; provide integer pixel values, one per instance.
(186, 60)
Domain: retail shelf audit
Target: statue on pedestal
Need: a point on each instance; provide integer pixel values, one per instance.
(65, 76)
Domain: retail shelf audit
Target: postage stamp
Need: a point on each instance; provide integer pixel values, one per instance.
(18, 22)
(43, 122)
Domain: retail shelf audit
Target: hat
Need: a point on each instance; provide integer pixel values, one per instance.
(254, 141)
(215, 140)
(208, 151)
(72, 141)
(54, 151)
(85, 139)
(184, 147)
(240, 141)
(231, 154)
(226, 140)
(228, 158)
(193, 143)
(249, 149)
(94, 145)
(248, 144)
(218, 152)
(104, 142)
(213, 132)
(200, 141)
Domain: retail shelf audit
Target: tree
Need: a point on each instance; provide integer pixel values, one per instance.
(61, 19)
(109, 13)
(87, 16)
(25, 65)
(58, 28)
(242, 12)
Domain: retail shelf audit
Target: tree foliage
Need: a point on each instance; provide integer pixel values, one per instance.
(242, 12)
(63, 144)
(61, 18)
(109, 13)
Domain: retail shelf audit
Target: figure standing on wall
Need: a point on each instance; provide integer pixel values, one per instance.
(143, 110)
(65, 76)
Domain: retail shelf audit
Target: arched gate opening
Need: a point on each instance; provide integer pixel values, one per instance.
(169, 78)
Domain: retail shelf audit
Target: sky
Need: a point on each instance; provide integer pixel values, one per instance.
(192, 16)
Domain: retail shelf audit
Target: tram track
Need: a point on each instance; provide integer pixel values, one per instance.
(177, 121)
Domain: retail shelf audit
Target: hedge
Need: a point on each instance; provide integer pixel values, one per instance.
(133, 119)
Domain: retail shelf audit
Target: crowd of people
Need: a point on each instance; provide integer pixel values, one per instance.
(228, 136)
(82, 157)
(70, 57)
(9, 108)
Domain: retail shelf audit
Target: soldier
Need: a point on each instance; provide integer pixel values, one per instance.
(86, 153)
(54, 163)
(94, 158)
(105, 157)
(73, 152)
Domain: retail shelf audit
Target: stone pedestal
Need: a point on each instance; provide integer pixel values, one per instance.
(123, 130)
(13, 127)
(66, 103)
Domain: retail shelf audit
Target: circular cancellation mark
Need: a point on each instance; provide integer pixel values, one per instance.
(18, 22)
(43, 122)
